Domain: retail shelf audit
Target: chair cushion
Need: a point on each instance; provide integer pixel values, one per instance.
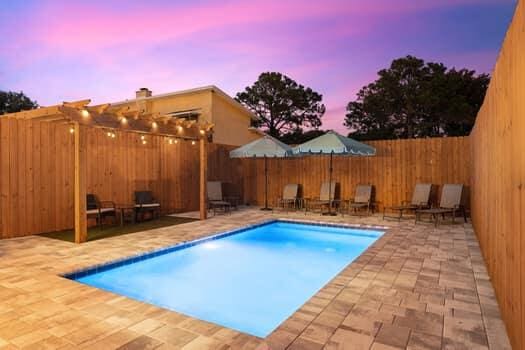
(148, 205)
(219, 203)
(435, 211)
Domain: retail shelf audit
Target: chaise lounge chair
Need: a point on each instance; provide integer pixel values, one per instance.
(215, 198)
(361, 200)
(326, 198)
(420, 200)
(450, 203)
(290, 197)
(99, 209)
(146, 203)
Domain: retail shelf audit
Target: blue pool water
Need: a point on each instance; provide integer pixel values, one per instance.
(250, 281)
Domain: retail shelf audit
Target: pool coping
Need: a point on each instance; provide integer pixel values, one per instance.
(105, 266)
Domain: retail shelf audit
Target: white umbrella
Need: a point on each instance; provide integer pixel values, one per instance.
(334, 143)
(264, 147)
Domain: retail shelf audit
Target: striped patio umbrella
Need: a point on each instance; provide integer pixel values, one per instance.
(264, 147)
(334, 143)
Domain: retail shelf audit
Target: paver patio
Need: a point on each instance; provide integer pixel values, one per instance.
(417, 287)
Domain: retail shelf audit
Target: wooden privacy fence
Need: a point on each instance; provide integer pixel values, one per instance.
(498, 180)
(37, 168)
(397, 167)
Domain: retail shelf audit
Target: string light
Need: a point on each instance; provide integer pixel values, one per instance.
(179, 128)
(124, 120)
(142, 137)
(154, 125)
(202, 131)
(84, 113)
(111, 134)
(170, 141)
(176, 141)
(144, 142)
(193, 142)
(71, 130)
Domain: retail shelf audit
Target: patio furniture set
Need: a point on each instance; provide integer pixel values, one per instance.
(363, 202)
(144, 203)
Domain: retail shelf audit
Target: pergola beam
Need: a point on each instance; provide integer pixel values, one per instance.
(203, 178)
(80, 184)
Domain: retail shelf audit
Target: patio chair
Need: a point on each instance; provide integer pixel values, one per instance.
(327, 197)
(420, 200)
(290, 198)
(450, 203)
(215, 198)
(100, 209)
(146, 203)
(361, 200)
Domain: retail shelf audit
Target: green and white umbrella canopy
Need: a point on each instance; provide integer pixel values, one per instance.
(332, 142)
(266, 146)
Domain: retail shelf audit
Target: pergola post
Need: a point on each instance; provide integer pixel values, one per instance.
(80, 185)
(203, 163)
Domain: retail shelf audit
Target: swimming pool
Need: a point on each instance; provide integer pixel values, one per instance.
(250, 280)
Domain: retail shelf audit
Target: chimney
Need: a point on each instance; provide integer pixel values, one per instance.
(143, 93)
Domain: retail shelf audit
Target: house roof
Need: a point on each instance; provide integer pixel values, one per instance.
(211, 88)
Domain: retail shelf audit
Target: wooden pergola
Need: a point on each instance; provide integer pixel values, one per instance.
(78, 114)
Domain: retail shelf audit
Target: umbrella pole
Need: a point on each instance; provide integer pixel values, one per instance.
(330, 212)
(266, 184)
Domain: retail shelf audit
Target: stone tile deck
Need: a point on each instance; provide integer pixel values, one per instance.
(417, 287)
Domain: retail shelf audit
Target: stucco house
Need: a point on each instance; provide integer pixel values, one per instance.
(205, 104)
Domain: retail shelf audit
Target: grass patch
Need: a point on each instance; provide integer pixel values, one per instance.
(95, 233)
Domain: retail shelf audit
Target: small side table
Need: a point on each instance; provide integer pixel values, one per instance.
(126, 212)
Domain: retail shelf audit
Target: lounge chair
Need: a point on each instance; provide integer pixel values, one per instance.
(420, 200)
(215, 198)
(327, 197)
(99, 209)
(146, 203)
(290, 197)
(361, 200)
(450, 203)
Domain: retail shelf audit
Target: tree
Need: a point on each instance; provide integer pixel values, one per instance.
(11, 102)
(281, 104)
(413, 98)
(299, 136)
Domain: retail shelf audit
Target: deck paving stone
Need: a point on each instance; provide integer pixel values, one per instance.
(423, 341)
(344, 339)
(142, 342)
(393, 335)
(417, 287)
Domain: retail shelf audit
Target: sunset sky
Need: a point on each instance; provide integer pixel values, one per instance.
(104, 50)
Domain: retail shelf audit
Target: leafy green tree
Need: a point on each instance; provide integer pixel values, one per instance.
(281, 104)
(413, 98)
(11, 102)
